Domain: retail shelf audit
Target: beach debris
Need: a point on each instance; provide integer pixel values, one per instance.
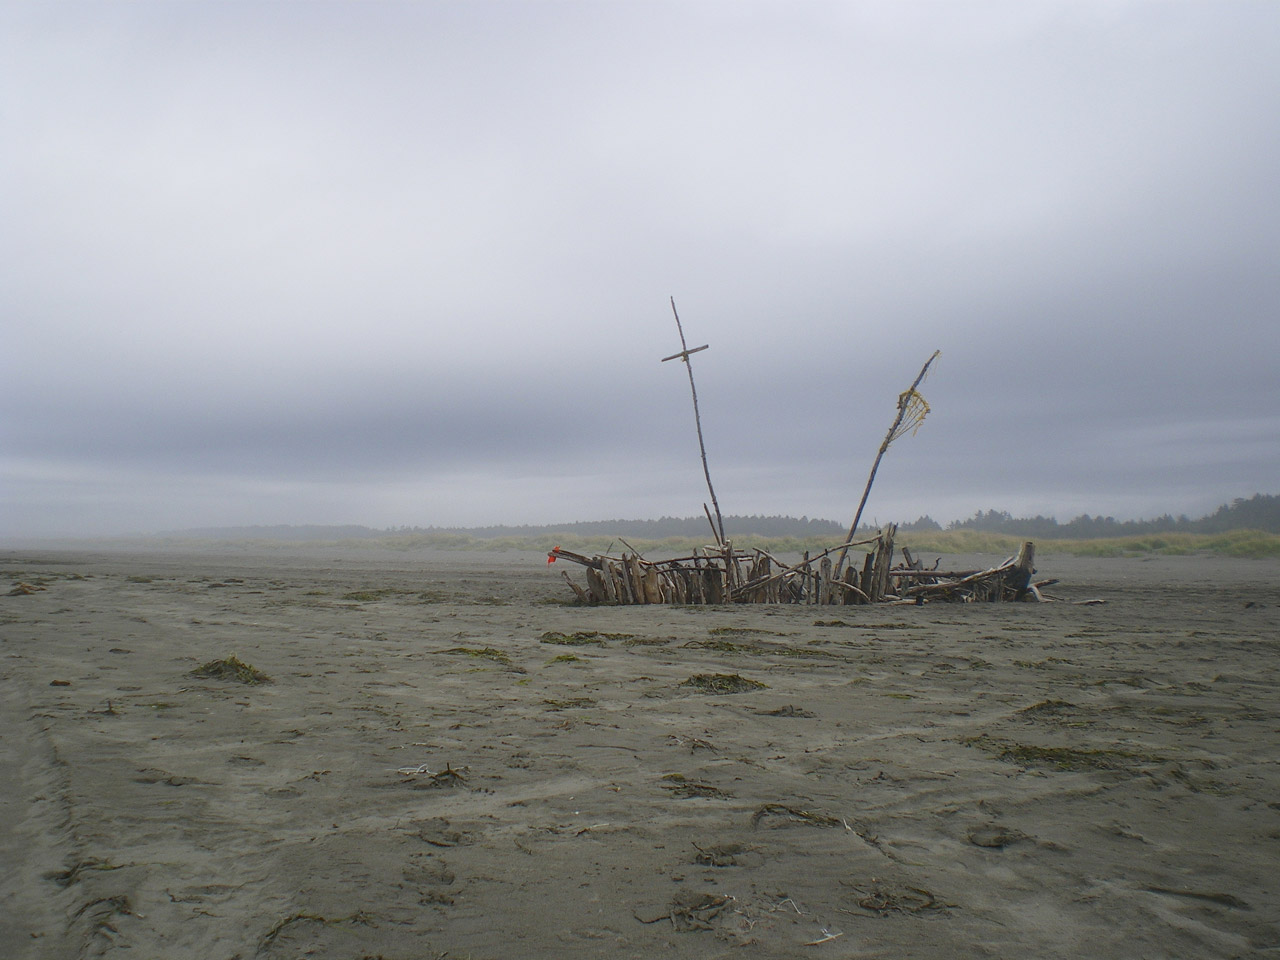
(788, 710)
(483, 653)
(883, 897)
(25, 589)
(1048, 708)
(693, 743)
(1221, 899)
(569, 703)
(1064, 758)
(757, 649)
(691, 910)
(582, 637)
(438, 832)
(996, 837)
(722, 683)
(153, 775)
(100, 915)
(232, 668)
(721, 855)
(359, 918)
(827, 936)
(792, 815)
(722, 574)
(684, 788)
(448, 777)
(415, 771)
(65, 878)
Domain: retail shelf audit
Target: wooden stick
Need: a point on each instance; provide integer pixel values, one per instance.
(714, 532)
(685, 353)
(706, 472)
(803, 563)
(559, 553)
(633, 550)
(578, 591)
(963, 581)
(1022, 570)
(903, 401)
(940, 574)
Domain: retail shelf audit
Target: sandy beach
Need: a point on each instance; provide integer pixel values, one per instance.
(450, 760)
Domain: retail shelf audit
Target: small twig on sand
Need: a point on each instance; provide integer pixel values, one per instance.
(827, 937)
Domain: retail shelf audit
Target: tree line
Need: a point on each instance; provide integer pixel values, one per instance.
(1259, 512)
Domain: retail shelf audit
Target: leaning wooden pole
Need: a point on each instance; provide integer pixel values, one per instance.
(904, 403)
(697, 417)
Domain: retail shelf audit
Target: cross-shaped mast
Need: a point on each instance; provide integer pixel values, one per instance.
(718, 528)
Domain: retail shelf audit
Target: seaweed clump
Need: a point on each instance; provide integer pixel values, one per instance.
(723, 683)
(232, 668)
(581, 637)
(1063, 758)
(483, 653)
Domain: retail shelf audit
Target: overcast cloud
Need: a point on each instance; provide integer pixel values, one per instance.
(408, 263)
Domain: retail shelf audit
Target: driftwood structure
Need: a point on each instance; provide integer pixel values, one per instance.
(723, 574)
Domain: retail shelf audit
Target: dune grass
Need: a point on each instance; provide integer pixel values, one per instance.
(1251, 544)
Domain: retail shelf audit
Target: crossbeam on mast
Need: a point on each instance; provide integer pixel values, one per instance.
(684, 354)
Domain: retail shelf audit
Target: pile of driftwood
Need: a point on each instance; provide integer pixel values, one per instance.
(722, 574)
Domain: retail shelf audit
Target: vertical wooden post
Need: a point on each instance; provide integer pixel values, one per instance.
(697, 417)
(824, 588)
(1019, 577)
(903, 402)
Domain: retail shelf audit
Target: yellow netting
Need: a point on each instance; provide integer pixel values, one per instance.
(914, 409)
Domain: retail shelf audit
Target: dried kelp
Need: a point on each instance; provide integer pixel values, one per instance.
(684, 788)
(232, 668)
(692, 910)
(883, 898)
(484, 653)
(722, 683)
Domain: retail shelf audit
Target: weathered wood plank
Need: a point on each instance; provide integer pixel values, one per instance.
(1019, 576)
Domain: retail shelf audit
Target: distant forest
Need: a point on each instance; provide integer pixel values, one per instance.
(1259, 512)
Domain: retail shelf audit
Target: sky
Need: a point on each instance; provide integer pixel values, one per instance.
(412, 263)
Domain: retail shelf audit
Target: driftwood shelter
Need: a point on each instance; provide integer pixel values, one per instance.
(721, 573)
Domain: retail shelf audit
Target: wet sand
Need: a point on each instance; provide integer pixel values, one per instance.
(427, 775)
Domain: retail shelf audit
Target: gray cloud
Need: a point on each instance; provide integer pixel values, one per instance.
(407, 263)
